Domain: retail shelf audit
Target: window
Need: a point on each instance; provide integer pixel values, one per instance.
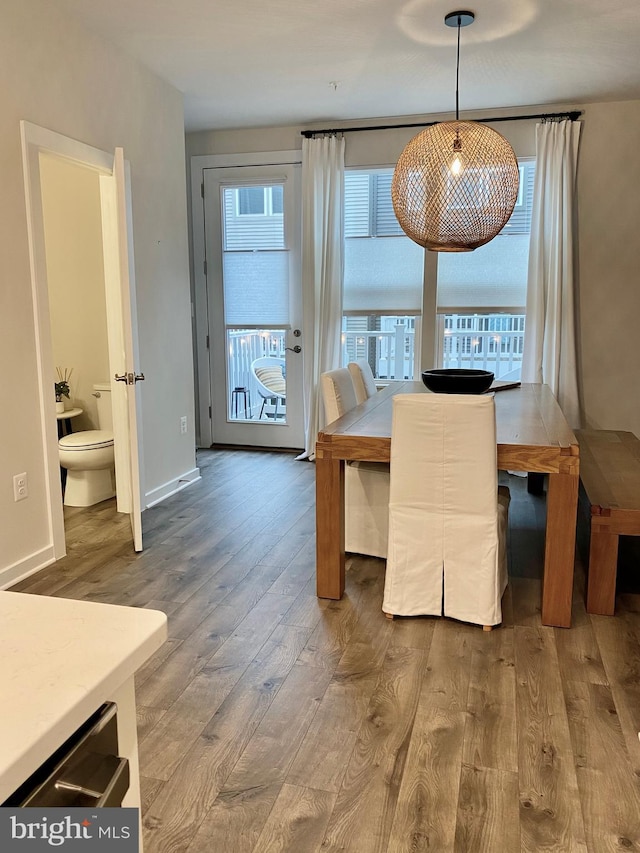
(258, 201)
(482, 295)
(383, 273)
(252, 218)
(250, 201)
(368, 206)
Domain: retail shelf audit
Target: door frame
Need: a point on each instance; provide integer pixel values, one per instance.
(200, 307)
(36, 140)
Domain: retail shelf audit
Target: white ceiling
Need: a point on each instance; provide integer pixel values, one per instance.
(250, 63)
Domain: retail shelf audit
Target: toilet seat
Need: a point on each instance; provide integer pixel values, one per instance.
(90, 439)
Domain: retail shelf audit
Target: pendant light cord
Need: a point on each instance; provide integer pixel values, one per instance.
(458, 71)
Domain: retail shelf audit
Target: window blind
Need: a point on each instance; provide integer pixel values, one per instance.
(495, 275)
(383, 275)
(383, 269)
(256, 289)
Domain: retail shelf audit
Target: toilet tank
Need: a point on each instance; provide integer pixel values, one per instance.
(103, 400)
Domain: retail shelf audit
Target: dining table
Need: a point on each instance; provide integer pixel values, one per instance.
(533, 436)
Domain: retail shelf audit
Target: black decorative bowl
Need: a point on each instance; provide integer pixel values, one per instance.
(455, 380)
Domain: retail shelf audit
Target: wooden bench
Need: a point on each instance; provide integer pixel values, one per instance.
(610, 474)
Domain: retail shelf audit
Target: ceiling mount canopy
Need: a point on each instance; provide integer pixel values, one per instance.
(459, 19)
(456, 183)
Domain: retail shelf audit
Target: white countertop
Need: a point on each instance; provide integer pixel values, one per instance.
(59, 661)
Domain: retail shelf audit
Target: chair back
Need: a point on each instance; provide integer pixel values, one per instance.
(443, 509)
(268, 372)
(338, 395)
(364, 383)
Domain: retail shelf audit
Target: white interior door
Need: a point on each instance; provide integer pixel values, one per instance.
(123, 350)
(252, 239)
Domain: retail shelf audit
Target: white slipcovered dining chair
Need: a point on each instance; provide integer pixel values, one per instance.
(364, 383)
(366, 484)
(447, 517)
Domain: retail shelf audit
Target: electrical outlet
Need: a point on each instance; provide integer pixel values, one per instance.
(183, 425)
(20, 487)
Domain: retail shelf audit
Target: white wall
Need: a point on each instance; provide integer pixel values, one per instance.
(609, 218)
(75, 278)
(60, 76)
(609, 213)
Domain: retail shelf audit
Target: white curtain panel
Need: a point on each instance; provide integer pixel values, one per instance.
(550, 339)
(322, 270)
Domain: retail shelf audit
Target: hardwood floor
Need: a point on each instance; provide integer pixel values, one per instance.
(274, 721)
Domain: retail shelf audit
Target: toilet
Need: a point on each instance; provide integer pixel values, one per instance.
(88, 457)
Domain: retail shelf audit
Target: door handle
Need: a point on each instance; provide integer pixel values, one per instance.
(130, 378)
(296, 348)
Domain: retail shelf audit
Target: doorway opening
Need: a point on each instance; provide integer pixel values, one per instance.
(77, 313)
(79, 237)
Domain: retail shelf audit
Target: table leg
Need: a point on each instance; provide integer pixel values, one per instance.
(535, 483)
(329, 527)
(559, 551)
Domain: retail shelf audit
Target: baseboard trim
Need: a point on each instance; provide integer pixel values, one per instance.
(165, 491)
(25, 567)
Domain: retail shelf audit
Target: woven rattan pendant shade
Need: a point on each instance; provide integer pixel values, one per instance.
(448, 212)
(456, 183)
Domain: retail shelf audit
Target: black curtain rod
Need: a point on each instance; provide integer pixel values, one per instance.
(309, 134)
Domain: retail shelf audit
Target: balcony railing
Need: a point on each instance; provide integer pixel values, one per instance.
(243, 347)
(391, 353)
(498, 348)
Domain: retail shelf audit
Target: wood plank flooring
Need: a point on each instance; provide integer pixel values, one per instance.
(274, 721)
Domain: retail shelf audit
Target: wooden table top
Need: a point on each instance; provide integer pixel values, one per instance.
(533, 434)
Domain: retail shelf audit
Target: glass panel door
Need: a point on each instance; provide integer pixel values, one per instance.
(253, 284)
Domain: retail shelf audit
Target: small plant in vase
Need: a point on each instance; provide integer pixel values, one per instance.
(62, 387)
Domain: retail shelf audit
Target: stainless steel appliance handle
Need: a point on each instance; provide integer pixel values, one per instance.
(114, 790)
(85, 770)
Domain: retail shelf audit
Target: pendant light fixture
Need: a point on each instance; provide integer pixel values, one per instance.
(456, 183)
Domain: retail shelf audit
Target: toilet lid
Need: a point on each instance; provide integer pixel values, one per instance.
(87, 439)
